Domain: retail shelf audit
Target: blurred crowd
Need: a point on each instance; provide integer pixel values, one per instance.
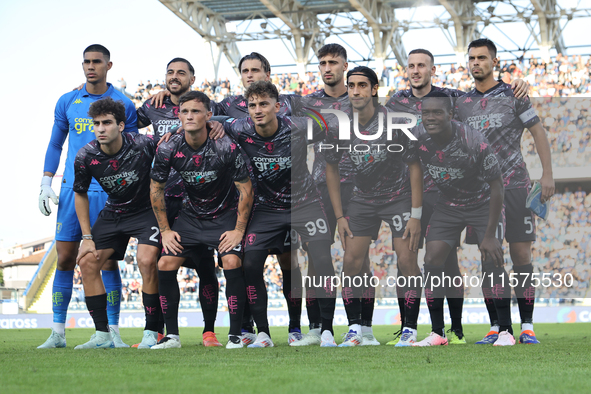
(563, 76)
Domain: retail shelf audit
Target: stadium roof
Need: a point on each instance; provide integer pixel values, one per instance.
(303, 25)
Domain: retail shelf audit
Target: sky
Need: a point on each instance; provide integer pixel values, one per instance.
(42, 44)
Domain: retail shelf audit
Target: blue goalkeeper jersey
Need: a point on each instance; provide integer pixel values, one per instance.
(71, 119)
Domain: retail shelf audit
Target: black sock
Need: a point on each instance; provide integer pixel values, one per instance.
(97, 307)
(168, 287)
(352, 306)
(411, 303)
(454, 291)
(208, 290)
(151, 309)
(312, 306)
(320, 250)
(256, 291)
(498, 288)
(235, 294)
(400, 294)
(292, 291)
(434, 296)
(247, 320)
(160, 317)
(367, 305)
(525, 292)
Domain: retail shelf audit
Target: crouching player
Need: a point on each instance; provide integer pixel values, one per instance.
(467, 173)
(121, 165)
(218, 203)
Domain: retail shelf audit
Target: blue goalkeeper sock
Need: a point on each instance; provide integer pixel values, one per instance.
(112, 281)
(61, 293)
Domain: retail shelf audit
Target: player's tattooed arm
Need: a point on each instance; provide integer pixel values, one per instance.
(491, 248)
(230, 239)
(82, 211)
(170, 239)
(333, 183)
(543, 148)
(413, 226)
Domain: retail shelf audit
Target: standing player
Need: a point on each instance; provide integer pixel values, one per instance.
(332, 63)
(420, 69)
(492, 109)
(286, 199)
(72, 121)
(121, 165)
(218, 204)
(388, 187)
(466, 171)
(180, 75)
(255, 67)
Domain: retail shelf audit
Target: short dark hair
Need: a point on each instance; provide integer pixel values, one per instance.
(332, 49)
(424, 52)
(366, 72)
(484, 42)
(441, 96)
(108, 106)
(98, 48)
(256, 56)
(262, 88)
(180, 59)
(195, 95)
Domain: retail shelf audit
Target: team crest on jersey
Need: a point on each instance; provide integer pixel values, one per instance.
(337, 105)
(114, 164)
(419, 105)
(270, 147)
(440, 155)
(251, 238)
(198, 159)
(483, 103)
(58, 227)
(232, 147)
(175, 109)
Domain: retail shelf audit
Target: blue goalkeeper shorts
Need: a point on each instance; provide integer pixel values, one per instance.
(67, 227)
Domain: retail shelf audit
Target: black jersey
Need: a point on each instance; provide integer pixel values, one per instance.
(208, 173)
(315, 102)
(380, 168)
(462, 168)
(278, 162)
(501, 118)
(123, 176)
(237, 106)
(164, 120)
(405, 101)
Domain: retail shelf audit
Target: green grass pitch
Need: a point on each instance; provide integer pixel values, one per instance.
(562, 363)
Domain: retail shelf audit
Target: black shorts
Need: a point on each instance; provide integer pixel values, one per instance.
(198, 232)
(365, 219)
(447, 223)
(174, 205)
(277, 230)
(429, 202)
(113, 230)
(520, 221)
(346, 194)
